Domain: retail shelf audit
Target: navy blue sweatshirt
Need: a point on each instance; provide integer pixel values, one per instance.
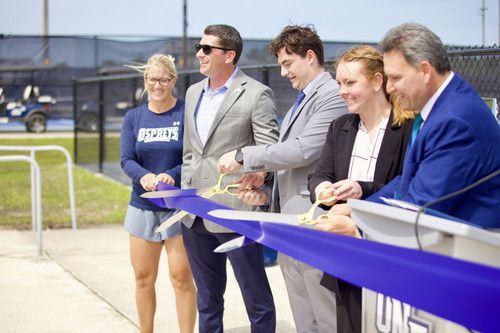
(151, 143)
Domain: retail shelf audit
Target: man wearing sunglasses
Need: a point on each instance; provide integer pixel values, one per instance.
(225, 111)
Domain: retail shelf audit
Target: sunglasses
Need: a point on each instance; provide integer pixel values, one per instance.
(207, 49)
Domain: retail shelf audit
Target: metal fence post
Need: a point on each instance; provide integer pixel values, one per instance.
(32, 149)
(33, 191)
(36, 192)
(101, 125)
(75, 119)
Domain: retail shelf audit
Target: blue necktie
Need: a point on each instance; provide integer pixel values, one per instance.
(416, 127)
(299, 100)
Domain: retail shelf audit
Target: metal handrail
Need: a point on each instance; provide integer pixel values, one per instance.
(32, 150)
(36, 197)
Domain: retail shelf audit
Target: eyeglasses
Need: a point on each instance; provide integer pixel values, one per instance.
(207, 49)
(152, 81)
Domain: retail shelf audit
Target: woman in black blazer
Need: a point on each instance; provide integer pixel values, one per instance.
(363, 151)
(334, 162)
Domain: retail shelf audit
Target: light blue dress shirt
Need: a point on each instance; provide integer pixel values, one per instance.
(208, 105)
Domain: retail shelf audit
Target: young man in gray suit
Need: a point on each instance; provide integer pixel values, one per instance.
(300, 53)
(225, 111)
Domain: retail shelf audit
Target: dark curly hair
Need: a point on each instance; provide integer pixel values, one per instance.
(299, 39)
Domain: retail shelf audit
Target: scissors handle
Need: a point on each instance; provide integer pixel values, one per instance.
(217, 188)
(228, 188)
(321, 217)
(308, 218)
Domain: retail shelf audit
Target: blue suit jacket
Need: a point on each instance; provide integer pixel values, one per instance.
(458, 144)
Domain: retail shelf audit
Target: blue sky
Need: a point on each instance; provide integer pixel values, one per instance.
(457, 22)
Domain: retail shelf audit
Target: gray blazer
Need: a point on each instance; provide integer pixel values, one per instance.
(301, 140)
(246, 116)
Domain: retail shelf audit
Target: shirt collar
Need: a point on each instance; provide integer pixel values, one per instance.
(430, 103)
(311, 84)
(226, 85)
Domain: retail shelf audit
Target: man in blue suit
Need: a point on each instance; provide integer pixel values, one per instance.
(456, 144)
(458, 141)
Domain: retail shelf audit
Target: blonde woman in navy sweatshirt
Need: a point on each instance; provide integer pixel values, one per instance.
(151, 151)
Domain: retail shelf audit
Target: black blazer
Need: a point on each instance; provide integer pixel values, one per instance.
(333, 165)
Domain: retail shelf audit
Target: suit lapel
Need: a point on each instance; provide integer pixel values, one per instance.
(450, 89)
(287, 121)
(233, 93)
(285, 126)
(347, 143)
(190, 113)
(388, 150)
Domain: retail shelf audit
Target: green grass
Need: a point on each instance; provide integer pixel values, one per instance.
(88, 148)
(98, 200)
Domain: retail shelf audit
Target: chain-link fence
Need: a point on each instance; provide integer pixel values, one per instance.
(479, 67)
(101, 102)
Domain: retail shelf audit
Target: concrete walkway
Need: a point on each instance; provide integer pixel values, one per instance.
(84, 283)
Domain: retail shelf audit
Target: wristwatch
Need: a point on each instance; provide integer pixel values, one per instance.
(239, 156)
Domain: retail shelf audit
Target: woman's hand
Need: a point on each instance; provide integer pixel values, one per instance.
(347, 189)
(165, 178)
(148, 182)
(324, 191)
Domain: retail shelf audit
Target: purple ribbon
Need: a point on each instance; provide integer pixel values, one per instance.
(463, 292)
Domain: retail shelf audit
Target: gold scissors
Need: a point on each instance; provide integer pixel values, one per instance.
(204, 192)
(217, 188)
(308, 218)
(291, 219)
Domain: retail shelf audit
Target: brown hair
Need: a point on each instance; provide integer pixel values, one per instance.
(373, 63)
(298, 40)
(229, 38)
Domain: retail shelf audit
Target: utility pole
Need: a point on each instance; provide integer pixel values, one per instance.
(46, 59)
(483, 10)
(184, 55)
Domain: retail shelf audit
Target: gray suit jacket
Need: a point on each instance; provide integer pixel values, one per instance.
(246, 116)
(301, 140)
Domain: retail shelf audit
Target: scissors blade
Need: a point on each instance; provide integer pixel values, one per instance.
(176, 217)
(255, 216)
(233, 244)
(174, 193)
(171, 220)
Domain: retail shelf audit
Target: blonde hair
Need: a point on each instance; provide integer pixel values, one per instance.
(165, 61)
(373, 63)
